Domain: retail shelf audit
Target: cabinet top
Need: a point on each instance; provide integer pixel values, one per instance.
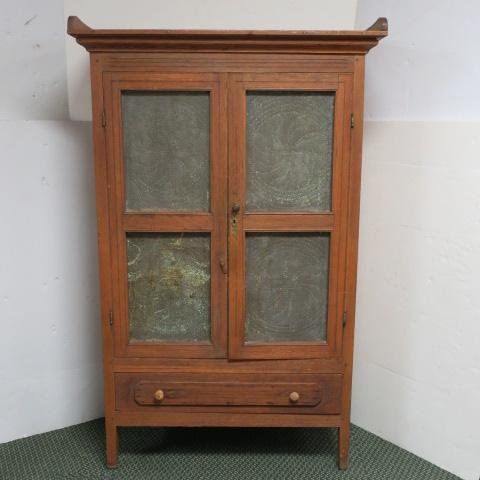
(354, 42)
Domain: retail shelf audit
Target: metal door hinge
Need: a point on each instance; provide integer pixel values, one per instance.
(110, 317)
(352, 121)
(104, 119)
(344, 318)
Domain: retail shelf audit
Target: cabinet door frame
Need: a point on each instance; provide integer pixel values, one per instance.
(333, 222)
(213, 222)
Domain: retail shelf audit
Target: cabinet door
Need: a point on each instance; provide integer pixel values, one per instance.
(289, 148)
(167, 175)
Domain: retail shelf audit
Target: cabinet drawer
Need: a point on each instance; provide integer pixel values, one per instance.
(321, 393)
(224, 393)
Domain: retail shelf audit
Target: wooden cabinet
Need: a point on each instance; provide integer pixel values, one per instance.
(227, 181)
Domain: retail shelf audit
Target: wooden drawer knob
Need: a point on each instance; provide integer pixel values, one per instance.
(159, 395)
(294, 397)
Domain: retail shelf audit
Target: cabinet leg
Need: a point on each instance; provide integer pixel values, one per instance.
(111, 443)
(343, 446)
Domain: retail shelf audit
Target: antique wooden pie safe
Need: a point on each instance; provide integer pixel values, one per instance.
(227, 183)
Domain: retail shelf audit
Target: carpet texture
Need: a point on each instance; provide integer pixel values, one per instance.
(209, 454)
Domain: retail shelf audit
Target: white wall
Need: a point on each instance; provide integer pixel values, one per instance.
(427, 68)
(34, 83)
(416, 373)
(417, 361)
(50, 362)
(50, 365)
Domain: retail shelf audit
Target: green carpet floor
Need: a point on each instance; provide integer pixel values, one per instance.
(209, 454)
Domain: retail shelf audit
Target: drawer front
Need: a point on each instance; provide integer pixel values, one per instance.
(224, 393)
(316, 393)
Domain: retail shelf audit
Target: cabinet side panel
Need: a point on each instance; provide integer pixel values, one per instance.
(352, 243)
(103, 235)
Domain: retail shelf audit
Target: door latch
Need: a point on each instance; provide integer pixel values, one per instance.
(235, 212)
(223, 265)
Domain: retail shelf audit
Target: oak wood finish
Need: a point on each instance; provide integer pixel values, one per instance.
(218, 393)
(330, 41)
(185, 365)
(214, 222)
(226, 382)
(239, 84)
(241, 393)
(223, 419)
